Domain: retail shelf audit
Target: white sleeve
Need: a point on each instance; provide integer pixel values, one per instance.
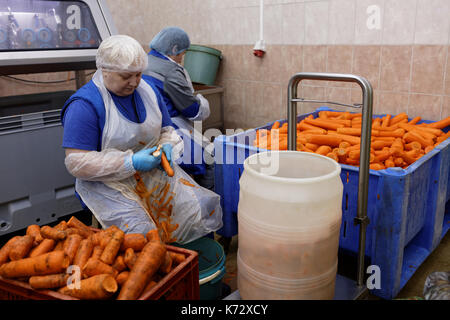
(203, 110)
(169, 135)
(106, 165)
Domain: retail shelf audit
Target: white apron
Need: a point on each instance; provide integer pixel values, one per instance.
(116, 203)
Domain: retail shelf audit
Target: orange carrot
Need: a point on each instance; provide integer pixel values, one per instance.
(48, 263)
(428, 149)
(52, 233)
(276, 125)
(129, 258)
(122, 277)
(389, 163)
(377, 166)
(345, 137)
(166, 165)
(177, 257)
(97, 252)
(398, 133)
(333, 156)
(61, 226)
(71, 245)
(409, 156)
(166, 266)
(302, 125)
(45, 246)
(21, 247)
(415, 120)
(136, 241)
(382, 156)
(99, 287)
(51, 281)
(350, 131)
(146, 265)
(312, 146)
(386, 120)
(119, 264)
(443, 137)
(112, 248)
(75, 223)
(4, 251)
(329, 140)
(399, 162)
(401, 116)
(95, 266)
(323, 150)
(84, 252)
(440, 124)
(35, 231)
(377, 144)
(414, 136)
(325, 124)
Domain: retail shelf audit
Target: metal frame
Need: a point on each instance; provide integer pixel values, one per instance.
(366, 128)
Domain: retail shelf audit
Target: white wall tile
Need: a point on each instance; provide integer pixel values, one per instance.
(272, 24)
(369, 21)
(316, 22)
(399, 21)
(432, 22)
(293, 23)
(341, 29)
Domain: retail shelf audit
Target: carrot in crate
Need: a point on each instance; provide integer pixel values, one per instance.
(53, 233)
(414, 136)
(324, 124)
(333, 156)
(71, 245)
(350, 139)
(136, 241)
(99, 287)
(45, 246)
(122, 277)
(389, 163)
(386, 121)
(112, 248)
(48, 263)
(275, 125)
(119, 264)
(413, 145)
(4, 251)
(377, 166)
(35, 231)
(400, 117)
(440, 124)
(323, 150)
(21, 247)
(146, 265)
(415, 120)
(379, 144)
(329, 140)
(51, 281)
(75, 223)
(84, 252)
(95, 266)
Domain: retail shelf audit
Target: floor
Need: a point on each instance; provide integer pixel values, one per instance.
(438, 260)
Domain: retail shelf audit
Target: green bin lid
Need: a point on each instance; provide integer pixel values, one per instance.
(195, 47)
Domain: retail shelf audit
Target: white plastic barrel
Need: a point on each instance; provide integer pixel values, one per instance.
(289, 218)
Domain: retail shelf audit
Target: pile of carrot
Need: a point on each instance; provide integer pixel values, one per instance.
(396, 141)
(111, 264)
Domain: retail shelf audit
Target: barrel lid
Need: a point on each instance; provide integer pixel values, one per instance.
(196, 47)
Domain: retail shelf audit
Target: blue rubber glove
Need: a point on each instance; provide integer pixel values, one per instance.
(144, 160)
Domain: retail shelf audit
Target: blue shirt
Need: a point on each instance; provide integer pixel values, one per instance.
(83, 124)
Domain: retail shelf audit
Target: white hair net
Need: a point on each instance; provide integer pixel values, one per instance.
(121, 53)
(171, 41)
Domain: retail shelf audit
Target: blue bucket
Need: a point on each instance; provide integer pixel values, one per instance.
(211, 266)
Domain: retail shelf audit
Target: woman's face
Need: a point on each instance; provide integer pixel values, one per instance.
(121, 83)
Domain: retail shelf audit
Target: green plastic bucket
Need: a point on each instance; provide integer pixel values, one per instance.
(211, 266)
(202, 64)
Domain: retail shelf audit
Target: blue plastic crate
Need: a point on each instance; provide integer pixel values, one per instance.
(408, 208)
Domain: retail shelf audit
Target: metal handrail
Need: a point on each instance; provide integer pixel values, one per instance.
(363, 183)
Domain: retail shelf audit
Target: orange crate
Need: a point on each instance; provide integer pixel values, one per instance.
(182, 283)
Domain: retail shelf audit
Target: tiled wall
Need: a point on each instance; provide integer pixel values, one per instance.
(401, 46)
